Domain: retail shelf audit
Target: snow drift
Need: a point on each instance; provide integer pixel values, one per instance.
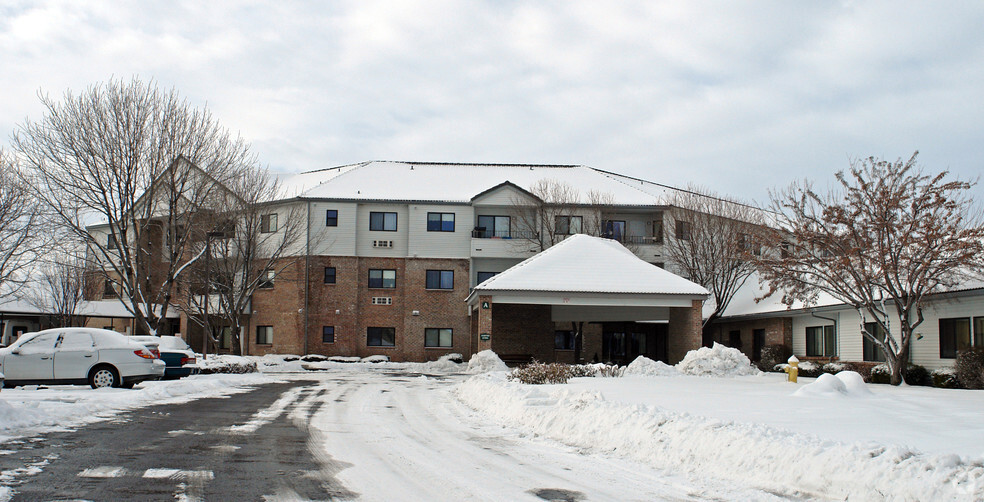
(486, 361)
(643, 366)
(718, 361)
(764, 457)
(843, 384)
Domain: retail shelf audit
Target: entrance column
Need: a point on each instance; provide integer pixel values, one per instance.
(684, 330)
(484, 323)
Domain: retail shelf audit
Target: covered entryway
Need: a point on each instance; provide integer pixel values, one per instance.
(590, 286)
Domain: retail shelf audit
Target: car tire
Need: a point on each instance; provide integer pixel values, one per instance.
(104, 376)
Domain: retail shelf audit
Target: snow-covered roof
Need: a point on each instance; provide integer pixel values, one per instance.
(586, 264)
(459, 183)
(97, 308)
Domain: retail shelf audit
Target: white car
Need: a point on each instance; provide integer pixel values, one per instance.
(99, 357)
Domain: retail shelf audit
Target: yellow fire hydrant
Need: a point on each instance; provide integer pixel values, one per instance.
(792, 369)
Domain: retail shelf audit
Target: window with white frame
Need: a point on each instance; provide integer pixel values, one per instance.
(567, 225)
(331, 217)
(955, 335)
(820, 341)
(440, 279)
(264, 335)
(870, 350)
(382, 278)
(437, 337)
(440, 222)
(380, 337)
(382, 221)
(268, 223)
(266, 278)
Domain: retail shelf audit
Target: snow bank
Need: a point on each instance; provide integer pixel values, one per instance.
(486, 361)
(643, 366)
(763, 457)
(32, 410)
(843, 384)
(449, 363)
(225, 363)
(717, 361)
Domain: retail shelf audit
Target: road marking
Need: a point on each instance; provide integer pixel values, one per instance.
(162, 473)
(105, 471)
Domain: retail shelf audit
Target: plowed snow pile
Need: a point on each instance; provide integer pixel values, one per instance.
(716, 361)
(644, 366)
(485, 362)
(845, 383)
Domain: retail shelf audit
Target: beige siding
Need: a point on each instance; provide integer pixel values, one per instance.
(365, 237)
(424, 244)
(334, 241)
(504, 196)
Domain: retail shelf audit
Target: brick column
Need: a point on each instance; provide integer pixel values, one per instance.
(684, 330)
(484, 322)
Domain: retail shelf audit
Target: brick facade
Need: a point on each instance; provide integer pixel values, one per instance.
(684, 331)
(778, 331)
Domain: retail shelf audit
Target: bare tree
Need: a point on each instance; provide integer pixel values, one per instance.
(60, 289)
(256, 242)
(546, 216)
(712, 242)
(888, 237)
(22, 233)
(144, 163)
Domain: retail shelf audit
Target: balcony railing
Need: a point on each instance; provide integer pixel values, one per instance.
(480, 233)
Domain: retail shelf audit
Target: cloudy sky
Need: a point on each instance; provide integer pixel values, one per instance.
(738, 97)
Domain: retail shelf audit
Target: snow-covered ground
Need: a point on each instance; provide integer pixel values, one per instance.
(821, 438)
(33, 410)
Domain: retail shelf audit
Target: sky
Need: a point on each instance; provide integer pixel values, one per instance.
(737, 97)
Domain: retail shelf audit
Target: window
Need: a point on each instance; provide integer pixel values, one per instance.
(381, 337)
(734, 339)
(440, 279)
(264, 335)
(482, 276)
(979, 332)
(746, 243)
(437, 337)
(871, 351)
(75, 341)
(440, 222)
(327, 334)
(225, 338)
(954, 336)
(385, 222)
(379, 278)
(329, 275)
(784, 250)
(658, 228)
(268, 223)
(613, 229)
(683, 230)
(820, 341)
(661, 264)
(493, 226)
(567, 225)
(266, 279)
(109, 289)
(331, 218)
(111, 242)
(563, 340)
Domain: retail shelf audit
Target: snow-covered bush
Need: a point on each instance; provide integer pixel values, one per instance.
(610, 371)
(833, 368)
(810, 369)
(945, 378)
(378, 358)
(844, 383)
(643, 366)
(880, 374)
(226, 364)
(447, 363)
(970, 368)
(716, 361)
(486, 361)
(314, 358)
(774, 356)
(582, 370)
(917, 375)
(537, 373)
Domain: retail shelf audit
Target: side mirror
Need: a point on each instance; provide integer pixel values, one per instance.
(15, 350)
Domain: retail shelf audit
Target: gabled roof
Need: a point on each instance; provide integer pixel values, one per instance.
(459, 183)
(585, 264)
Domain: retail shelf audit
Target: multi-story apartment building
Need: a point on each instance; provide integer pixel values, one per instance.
(392, 249)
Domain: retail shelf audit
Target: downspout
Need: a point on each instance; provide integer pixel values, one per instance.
(307, 272)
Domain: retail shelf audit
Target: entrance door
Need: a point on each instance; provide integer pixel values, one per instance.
(758, 341)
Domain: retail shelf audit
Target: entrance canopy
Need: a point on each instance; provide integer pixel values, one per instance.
(586, 278)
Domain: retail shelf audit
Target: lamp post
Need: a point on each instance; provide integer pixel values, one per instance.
(208, 290)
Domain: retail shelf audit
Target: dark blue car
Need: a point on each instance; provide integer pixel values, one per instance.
(178, 356)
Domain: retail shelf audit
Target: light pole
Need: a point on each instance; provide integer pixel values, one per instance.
(208, 290)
